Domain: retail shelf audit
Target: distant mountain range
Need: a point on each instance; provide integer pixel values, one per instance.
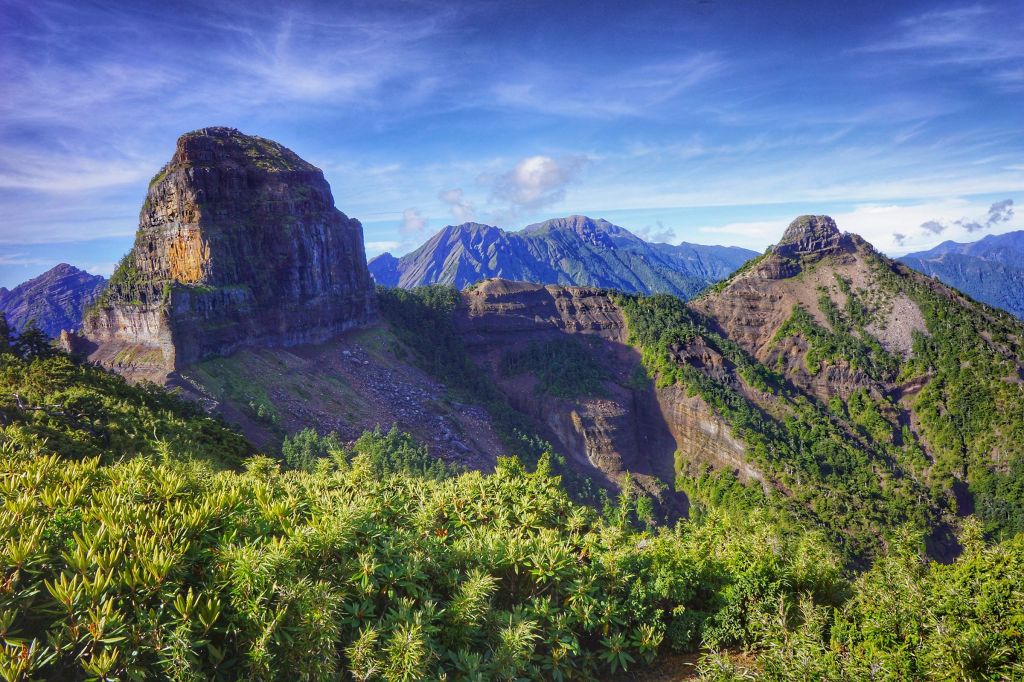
(54, 299)
(990, 270)
(573, 251)
(576, 250)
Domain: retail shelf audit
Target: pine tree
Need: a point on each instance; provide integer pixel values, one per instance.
(33, 342)
(6, 338)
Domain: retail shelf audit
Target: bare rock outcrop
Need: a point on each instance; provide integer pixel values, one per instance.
(239, 244)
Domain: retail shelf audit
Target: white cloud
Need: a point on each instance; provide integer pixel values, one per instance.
(374, 248)
(413, 222)
(657, 233)
(536, 182)
(462, 209)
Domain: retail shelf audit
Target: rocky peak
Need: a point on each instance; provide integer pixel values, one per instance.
(384, 269)
(809, 235)
(54, 300)
(580, 224)
(239, 243)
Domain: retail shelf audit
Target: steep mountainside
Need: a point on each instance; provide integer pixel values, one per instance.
(990, 270)
(239, 244)
(865, 350)
(823, 380)
(55, 299)
(574, 251)
(859, 394)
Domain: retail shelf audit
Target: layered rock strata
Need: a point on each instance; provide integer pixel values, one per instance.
(239, 244)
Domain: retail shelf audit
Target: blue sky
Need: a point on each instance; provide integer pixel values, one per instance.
(699, 120)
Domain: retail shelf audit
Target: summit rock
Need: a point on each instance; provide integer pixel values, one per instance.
(810, 235)
(239, 244)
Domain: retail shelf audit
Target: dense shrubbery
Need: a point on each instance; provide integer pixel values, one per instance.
(384, 453)
(52, 403)
(973, 404)
(421, 318)
(907, 619)
(176, 570)
(861, 351)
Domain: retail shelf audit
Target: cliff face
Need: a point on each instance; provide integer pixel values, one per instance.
(630, 425)
(55, 299)
(239, 244)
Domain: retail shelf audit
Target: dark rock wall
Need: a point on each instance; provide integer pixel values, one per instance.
(239, 244)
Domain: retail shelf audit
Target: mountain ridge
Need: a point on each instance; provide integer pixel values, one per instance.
(54, 300)
(990, 269)
(574, 250)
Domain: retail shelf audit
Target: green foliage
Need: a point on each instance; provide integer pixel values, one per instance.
(177, 570)
(861, 351)
(909, 619)
(972, 405)
(49, 403)
(831, 476)
(376, 562)
(380, 452)
(126, 285)
(565, 367)
(303, 449)
(422, 319)
(867, 413)
(32, 342)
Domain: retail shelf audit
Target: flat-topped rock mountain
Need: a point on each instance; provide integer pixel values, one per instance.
(54, 300)
(239, 244)
(575, 250)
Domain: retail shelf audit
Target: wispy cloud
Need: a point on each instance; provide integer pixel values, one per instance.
(629, 91)
(973, 36)
(59, 171)
(20, 259)
(461, 208)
